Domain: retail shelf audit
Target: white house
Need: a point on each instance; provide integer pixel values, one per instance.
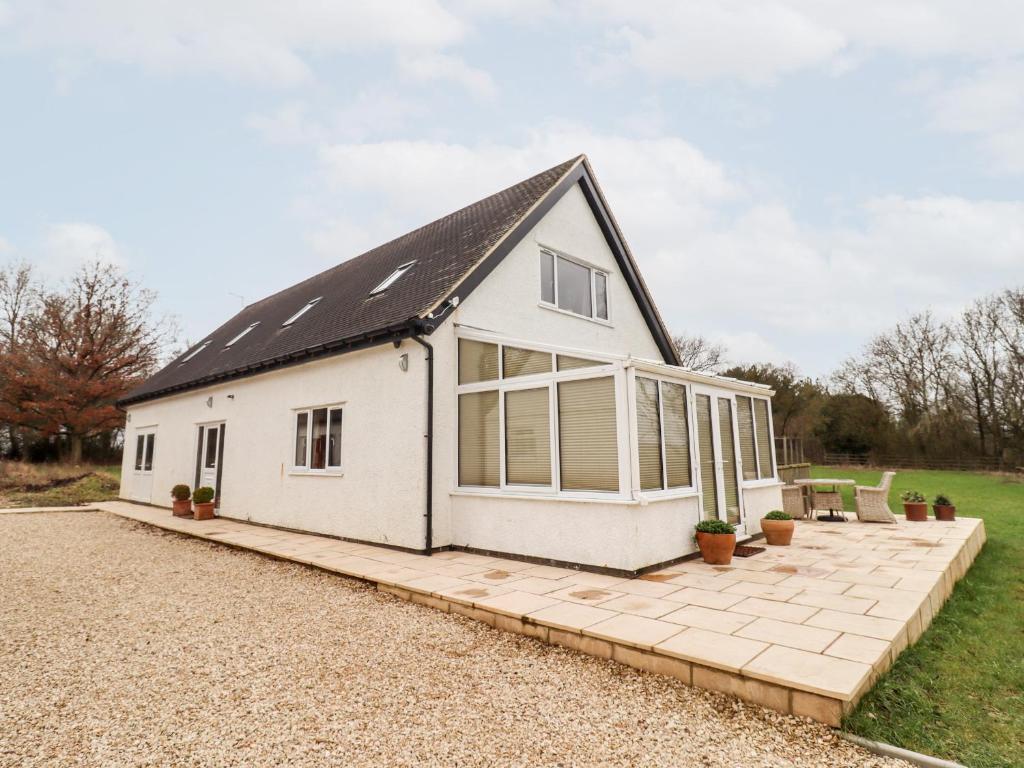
(498, 380)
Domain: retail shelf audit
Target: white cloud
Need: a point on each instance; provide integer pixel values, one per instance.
(290, 124)
(443, 66)
(701, 40)
(68, 245)
(988, 104)
(721, 259)
(261, 40)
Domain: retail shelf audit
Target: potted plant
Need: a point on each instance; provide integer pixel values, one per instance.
(181, 506)
(943, 508)
(202, 501)
(717, 540)
(777, 527)
(914, 506)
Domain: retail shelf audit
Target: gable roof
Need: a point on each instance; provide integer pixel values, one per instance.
(449, 256)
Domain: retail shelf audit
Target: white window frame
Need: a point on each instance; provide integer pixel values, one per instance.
(391, 279)
(610, 367)
(309, 305)
(241, 335)
(195, 351)
(328, 470)
(682, 491)
(148, 435)
(594, 270)
(760, 481)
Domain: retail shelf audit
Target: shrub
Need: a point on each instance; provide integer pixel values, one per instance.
(203, 495)
(942, 500)
(912, 497)
(714, 526)
(778, 514)
(181, 492)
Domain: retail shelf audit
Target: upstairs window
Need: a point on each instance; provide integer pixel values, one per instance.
(309, 305)
(239, 336)
(392, 278)
(196, 351)
(573, 287)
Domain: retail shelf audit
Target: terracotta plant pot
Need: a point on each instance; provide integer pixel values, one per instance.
(778, 533)
(716, 548)
(203, 511)
(944, 512)
(916, 512)
(182, 508)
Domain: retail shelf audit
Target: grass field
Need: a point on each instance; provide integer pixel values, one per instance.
(56, 485)
(959, 692)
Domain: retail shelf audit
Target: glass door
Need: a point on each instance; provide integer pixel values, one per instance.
(716, 446)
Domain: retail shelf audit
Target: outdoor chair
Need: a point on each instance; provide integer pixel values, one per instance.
(830, 500)
(793, 501)
(873, 501)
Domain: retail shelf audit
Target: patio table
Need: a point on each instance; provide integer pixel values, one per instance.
(807, 484)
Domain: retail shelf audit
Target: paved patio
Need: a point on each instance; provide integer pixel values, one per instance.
(804, 629)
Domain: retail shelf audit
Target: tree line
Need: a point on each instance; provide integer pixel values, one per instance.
(924, 389)
(68, 352)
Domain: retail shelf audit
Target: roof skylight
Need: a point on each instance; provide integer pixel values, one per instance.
(392, 278)
(253, 325)
(312, 303)
(196, 351)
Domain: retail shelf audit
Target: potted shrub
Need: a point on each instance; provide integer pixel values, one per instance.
(181, 506)
(777, 527)
(943, 508)
(202, 501)
(717, 540)
(914, 506)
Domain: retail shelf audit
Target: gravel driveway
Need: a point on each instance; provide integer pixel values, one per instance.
(124, 645)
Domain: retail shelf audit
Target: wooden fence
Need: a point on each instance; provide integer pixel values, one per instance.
(963, 464)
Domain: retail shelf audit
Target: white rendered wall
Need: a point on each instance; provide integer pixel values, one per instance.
(378, 498)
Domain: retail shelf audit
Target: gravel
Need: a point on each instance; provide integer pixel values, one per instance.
(124, 645)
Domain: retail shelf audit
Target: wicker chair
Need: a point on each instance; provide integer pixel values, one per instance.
(793, 501)
(830, 500)
(873, 501)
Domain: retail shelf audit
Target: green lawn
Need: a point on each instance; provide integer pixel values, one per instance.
(959, 692)
(43, 485)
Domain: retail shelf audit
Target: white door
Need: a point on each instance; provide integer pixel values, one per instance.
(717, 443)
(209, 453)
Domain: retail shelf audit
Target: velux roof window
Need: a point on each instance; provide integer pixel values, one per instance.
(392, 278)
(196, 351)
(309, 305)
(239, 336)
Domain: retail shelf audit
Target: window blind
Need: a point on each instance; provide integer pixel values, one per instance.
(764, 438)
(745, 424)
(528, 437)
(478, 361)
(478, 439)
(568, 363)
(648, 427)
(588, 437)
(522, 362)
(677, 435)
(706, 454)
(729, 482)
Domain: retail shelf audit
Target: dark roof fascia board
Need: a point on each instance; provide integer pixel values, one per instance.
(411, 327)
(578, 174)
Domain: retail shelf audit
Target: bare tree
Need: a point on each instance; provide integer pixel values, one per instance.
(18, 299)
(699, 354)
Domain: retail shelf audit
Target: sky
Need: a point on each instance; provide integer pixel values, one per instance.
(792, 176)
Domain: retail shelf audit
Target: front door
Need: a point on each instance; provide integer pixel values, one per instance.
(209, 454)
(716, 444)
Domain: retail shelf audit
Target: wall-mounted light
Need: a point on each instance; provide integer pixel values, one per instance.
(209, 402)
(231, 397)
(403, 362)
(128, 418)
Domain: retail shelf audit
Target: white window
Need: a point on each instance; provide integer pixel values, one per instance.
(536, 420)
(317, 443)
(663, 434)
(145, 444)
(196, 351)
(392, 278)
(309, 305)
(239, 336)
(573, 287)
(755, 438)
